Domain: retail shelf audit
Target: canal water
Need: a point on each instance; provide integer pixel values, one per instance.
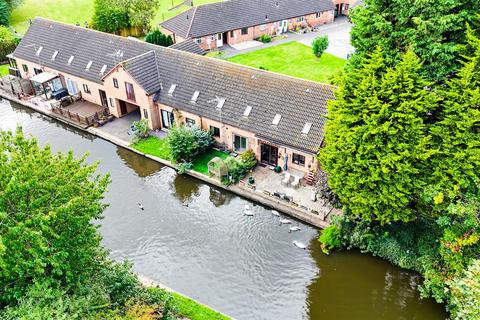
(193, 238)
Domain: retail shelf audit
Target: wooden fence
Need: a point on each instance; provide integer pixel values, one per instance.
(89, 120)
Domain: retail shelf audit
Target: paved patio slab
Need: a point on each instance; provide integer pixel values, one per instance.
(246, 45)
(120, 127)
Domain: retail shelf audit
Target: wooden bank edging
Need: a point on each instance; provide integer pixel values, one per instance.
(271, 202)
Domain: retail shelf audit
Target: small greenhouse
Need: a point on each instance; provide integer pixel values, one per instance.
(217, 169)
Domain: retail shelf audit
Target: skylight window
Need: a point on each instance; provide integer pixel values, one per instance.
(221, 102)
(54, 55)
(172, 89)
(195, 96)
(247, 111)
(102, 71)
(276, 119)
(38, 51)
(70, 60)
(89, 64)
(306, 128)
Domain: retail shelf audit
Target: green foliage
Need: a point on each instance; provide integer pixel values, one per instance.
(238, 168)
(185, 143)
(465, 292)
(433, 31)
(265, 38)
(140, 129)
(249, 159)
(319, 45)
(109, 18)
(7, 42)
(140, 12)
(194, 311)
(5, 11)
(47, 203)
(184, 167)
(330, 238)
(158, 38)
(375, 138)
(153, 146)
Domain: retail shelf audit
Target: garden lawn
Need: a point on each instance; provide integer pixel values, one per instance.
(153, 146)
(293, 59)
(73, 11)
(201, 163)
(4, 69)
(193, 310)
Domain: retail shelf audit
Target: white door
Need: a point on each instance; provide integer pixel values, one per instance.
(283, 26)
(219, 40)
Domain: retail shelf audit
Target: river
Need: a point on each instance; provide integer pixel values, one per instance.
(193, 238)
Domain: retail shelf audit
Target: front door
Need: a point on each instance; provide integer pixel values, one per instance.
(123, 107)
(219, 40)
(268, 154)
(103, 98)
(283, 26)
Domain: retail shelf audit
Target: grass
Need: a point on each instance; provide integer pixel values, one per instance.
(154, 146)
(73, 11)
(293, 59)
(4, 69)
(216, 54)
(201, 163)
(195, 311)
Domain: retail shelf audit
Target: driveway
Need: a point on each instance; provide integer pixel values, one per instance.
(338, 33)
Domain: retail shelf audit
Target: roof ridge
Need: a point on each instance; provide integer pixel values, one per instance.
(191, 21)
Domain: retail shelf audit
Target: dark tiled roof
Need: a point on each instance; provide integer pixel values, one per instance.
(297, 101)
(157, 68)
(189, 46)
(235, 14)
(84, 44)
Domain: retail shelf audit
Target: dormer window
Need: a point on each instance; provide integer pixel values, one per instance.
(38, 51)
(172, 89)
(306, 128)
(195, 96)
(54, 55)
(89, 64)
(70, 60)
(276, 119)
(247, 111)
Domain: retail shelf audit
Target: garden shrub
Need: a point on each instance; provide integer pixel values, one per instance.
(319, 45)
(184, 167)
(185, 143)
(7, 42)
(159, 38)
(140, 129)
(330, 238)
(265, 38)
(238, 168)
(249, 158)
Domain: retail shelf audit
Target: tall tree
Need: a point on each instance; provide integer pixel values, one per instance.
(141, 12)
(5, 11)
(375, 138)
(432, 29)
(47, 203)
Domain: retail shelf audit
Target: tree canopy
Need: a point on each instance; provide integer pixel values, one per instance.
(159, 38)
(432, 29)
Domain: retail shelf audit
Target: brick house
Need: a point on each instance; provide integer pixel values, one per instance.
(231, 22)
(244, 108)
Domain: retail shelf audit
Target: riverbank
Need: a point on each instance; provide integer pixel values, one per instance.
(314, 219)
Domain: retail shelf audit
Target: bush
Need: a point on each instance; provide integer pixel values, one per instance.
(237, 169)
(465, 291)
(265, 38)
(7, 42)
(331, 238)
(108, 18)
(319, 45)
(140, 129)
(185, 143)
(249, 158)
(158, 38)
(184, 167)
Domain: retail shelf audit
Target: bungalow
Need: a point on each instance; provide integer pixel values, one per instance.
(280, 118)
(231, 22)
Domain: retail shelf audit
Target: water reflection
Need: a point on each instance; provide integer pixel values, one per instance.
(220, 197)
(185, 188)
(142, 166)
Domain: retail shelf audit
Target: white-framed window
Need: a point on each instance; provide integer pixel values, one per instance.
(145, 113)
(240, 143)
(300, 19)
(318, 15)
(72, 87)
(298, 159)
(86, 89)
(189, 122)
(198, 40)
(263, 27)
(112, 102)
(212, 37)
(244, 31)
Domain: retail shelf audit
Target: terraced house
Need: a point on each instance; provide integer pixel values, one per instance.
(244, 108)
(230, 22)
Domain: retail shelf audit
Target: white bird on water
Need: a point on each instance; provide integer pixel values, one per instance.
(247, 211)
(285, 221)
(140, 206)
(299, 245)
(294, 228)
(275, 213)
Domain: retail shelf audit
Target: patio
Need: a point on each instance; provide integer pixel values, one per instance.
(269, 183)
(120, 128)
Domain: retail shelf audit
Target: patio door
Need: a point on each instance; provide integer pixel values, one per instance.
(219, 40)
(168, 119)
(268, 154)
(103, 98)
(283, 26)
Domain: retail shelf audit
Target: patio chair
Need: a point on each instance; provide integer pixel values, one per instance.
(286, 180)
(295, 182)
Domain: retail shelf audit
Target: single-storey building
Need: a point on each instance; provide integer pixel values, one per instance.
(278, 117)
(233, 21)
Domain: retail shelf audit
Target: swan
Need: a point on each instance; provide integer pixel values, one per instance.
(140, 206)
(285, 221)
(275, 213)
(299, 245)
(247, 212)
(294, 228)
